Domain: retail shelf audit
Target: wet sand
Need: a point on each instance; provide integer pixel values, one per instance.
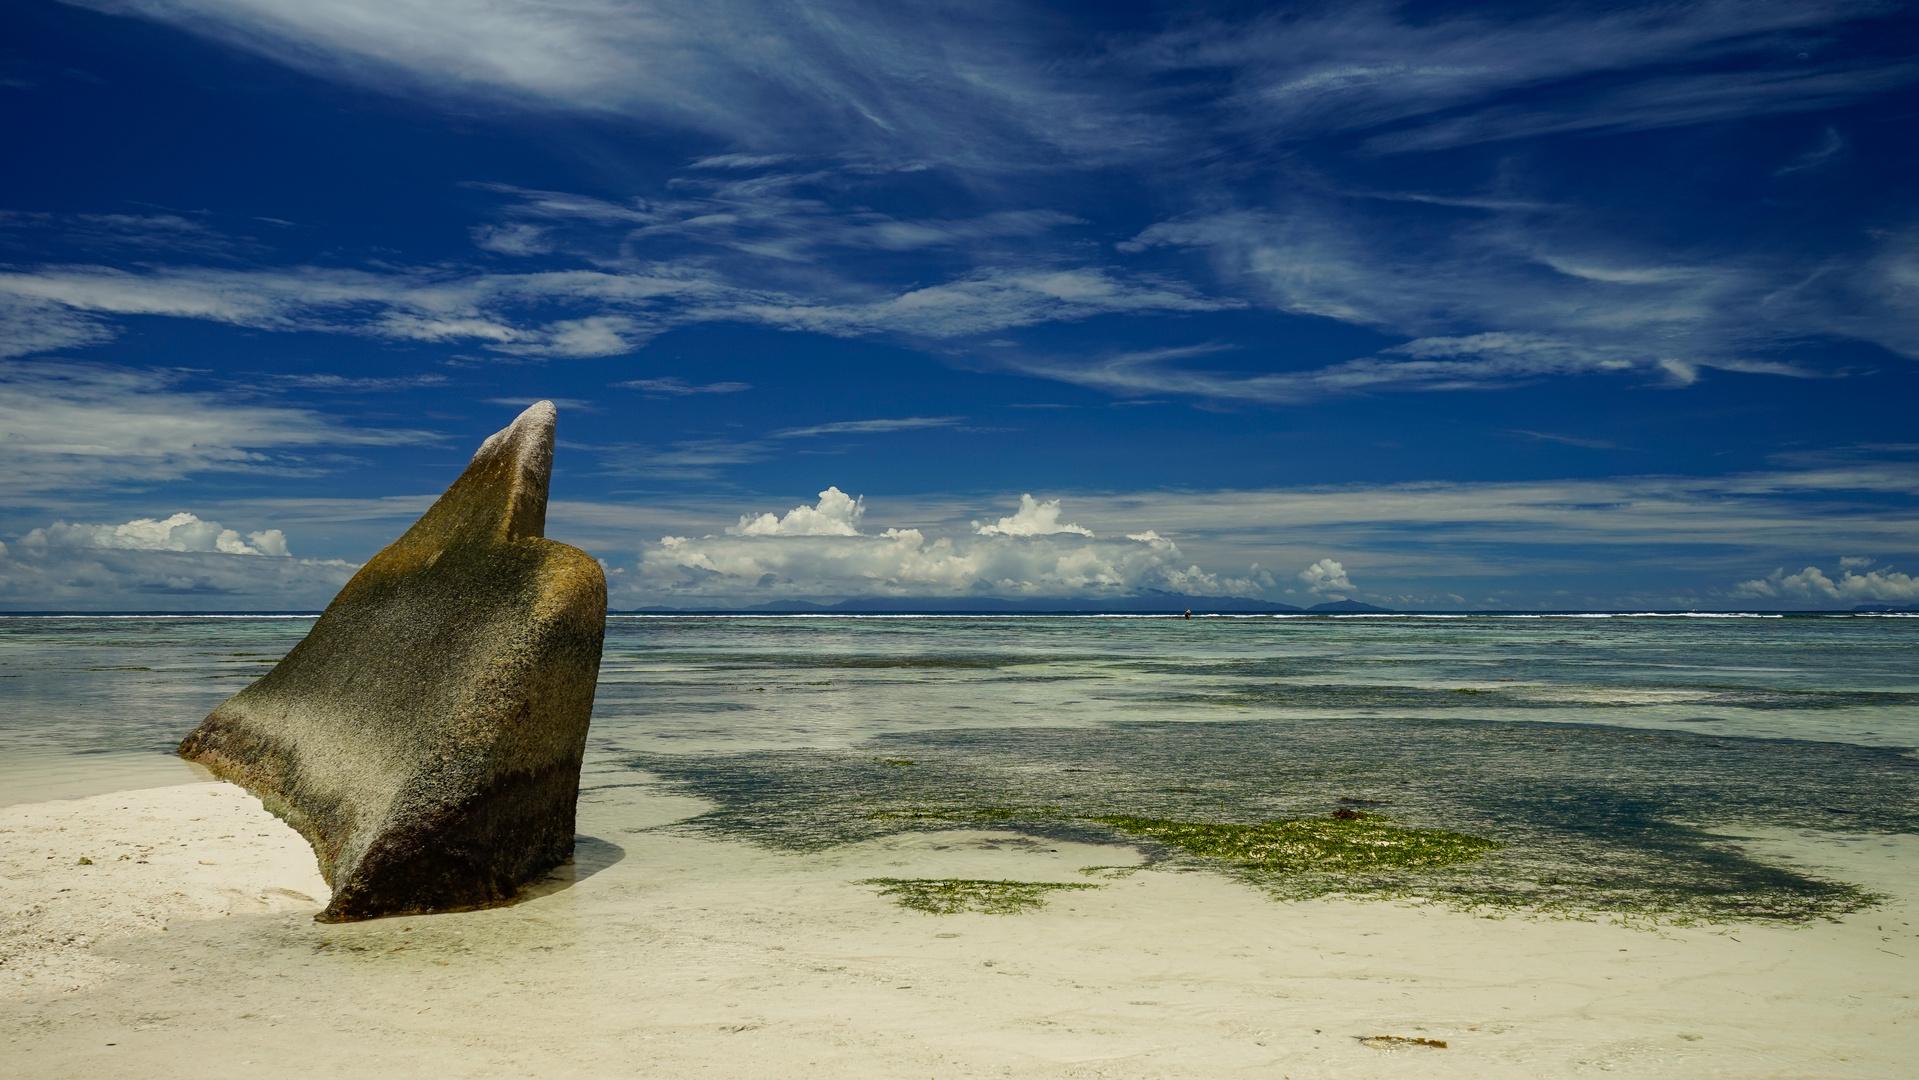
(668, 955)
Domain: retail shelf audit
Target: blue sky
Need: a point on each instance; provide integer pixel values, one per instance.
(1429, 305)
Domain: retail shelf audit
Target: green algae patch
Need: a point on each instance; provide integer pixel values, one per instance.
(1552, 820)
(951, 896)
(1359, 843)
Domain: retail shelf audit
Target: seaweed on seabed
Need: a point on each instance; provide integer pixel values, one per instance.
(1347, 841)
(1612, 822)
(950, 896)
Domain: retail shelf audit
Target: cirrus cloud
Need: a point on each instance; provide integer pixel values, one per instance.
(523, 315)
(68, 426)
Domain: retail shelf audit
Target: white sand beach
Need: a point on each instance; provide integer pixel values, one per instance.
(186, 948)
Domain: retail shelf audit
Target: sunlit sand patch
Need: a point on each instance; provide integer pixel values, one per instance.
(78, 872)
(676, 955)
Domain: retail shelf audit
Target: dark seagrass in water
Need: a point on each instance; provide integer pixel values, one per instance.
(426, 736)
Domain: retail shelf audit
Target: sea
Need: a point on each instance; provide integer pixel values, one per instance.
(96, 703)
(1618, 765)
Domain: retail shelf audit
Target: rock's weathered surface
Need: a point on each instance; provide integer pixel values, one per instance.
(426, 736)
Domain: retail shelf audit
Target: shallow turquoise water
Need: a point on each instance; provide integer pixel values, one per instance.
(1615, 761)
(737, 683)
(92, 703)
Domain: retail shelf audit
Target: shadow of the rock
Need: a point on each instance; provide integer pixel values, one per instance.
(590, 856)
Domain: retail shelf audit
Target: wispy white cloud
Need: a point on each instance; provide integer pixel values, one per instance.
(692, 459)
(915, 79)
(513, 238)
(985, 86)
(29, 327)
(673, 386)
(60, 307)
(792, 216)
(1476, 362)
(1507, 298)
(868, 427)
(756, 227)
(141, 234)
(1830, 146)
(1490, 274)
(740, 161)
(684, 459)
(1767, 511)
(993, 300)
(1457, 78)
(1567, 440)
(1874, 297)
(820, 107)
(1659, 102)
(500, 311)
(71, 426)
(352, 384)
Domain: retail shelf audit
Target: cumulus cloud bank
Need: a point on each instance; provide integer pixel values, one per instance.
(182, 562)
(1851, 586)
(1033, 518)
(819, 551)
(837, 514)
(1327, 578)
(181, 532)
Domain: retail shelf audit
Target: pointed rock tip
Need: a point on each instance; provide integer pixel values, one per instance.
(537, 419)
(532, 430)
(514, 465)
